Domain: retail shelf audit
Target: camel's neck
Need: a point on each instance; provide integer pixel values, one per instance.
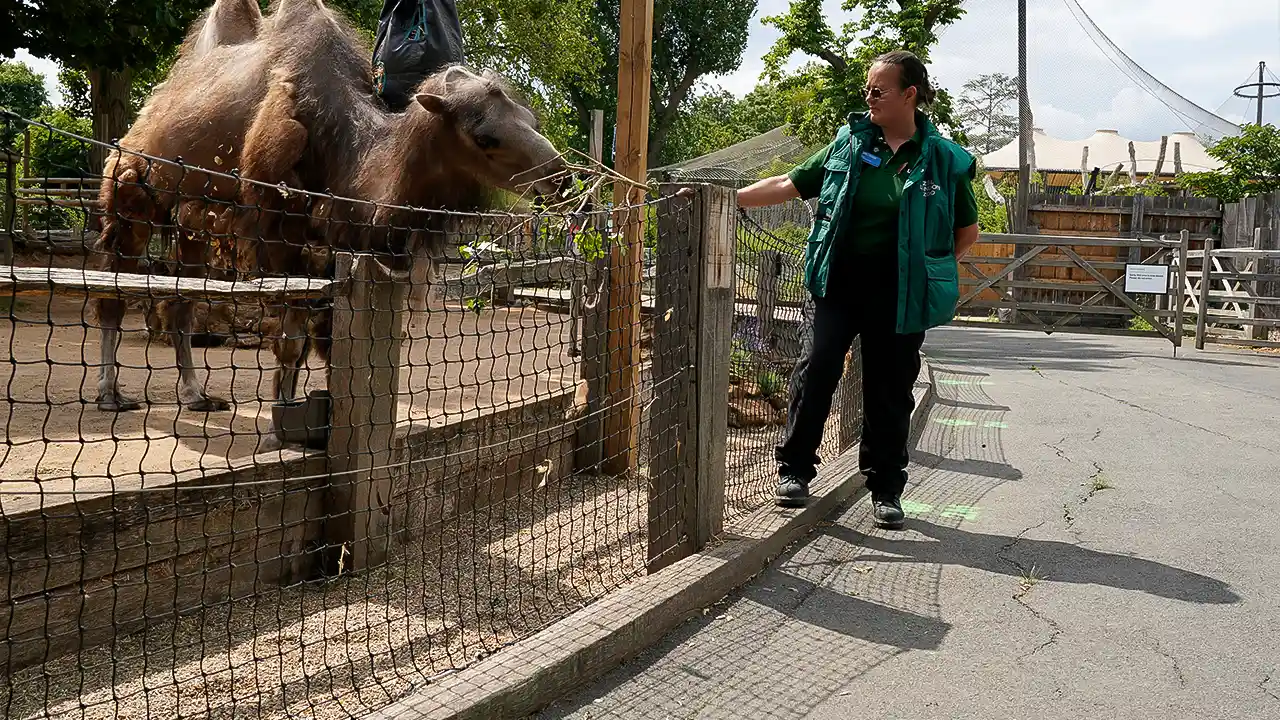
(414, 164)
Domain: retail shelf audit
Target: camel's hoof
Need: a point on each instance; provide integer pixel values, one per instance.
(209, 403)
(117, 403)
(269, 443)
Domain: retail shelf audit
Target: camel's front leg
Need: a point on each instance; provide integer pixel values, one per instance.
(290, 351)
(113, 257)
(179, 312)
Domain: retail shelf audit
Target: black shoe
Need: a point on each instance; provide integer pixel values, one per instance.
(792, 491)
(888, 511)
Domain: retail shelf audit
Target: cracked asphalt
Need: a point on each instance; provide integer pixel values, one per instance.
(1092, 533)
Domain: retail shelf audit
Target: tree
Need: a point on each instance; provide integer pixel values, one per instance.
(74, 86)
(110, 41)
(543, 47)
(21, 89)
(837, 81)
(704, 125)
(1251, 166)
(691, 39)
(981, 111)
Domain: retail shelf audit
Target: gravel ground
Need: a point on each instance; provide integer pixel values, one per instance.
(342, 648)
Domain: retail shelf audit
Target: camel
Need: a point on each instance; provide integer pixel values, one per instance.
(293, 105)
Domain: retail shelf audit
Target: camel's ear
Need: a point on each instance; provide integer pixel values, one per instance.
(434, 103)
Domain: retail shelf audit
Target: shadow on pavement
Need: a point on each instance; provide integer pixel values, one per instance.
(1059, 561)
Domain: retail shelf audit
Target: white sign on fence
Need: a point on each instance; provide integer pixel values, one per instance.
(1146, 279)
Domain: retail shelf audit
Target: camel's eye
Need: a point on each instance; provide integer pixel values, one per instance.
(486, 142)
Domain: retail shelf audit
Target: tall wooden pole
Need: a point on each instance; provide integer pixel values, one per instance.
(1024, 126)
(594, 330)
(622, 408)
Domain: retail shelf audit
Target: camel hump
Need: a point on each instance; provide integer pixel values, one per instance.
(228, 22)
(288, 11)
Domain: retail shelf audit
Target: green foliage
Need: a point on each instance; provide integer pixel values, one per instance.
(691, 39)
(836, 83)
(544, 48)
(54, 154)
(21, 89)
(992, 217)
(739, 359)
(73, 83)
(770, 383)
(1140, 324)
(1251, 166)
(58, 155)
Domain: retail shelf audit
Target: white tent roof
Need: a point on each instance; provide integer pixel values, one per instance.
(1107, 149)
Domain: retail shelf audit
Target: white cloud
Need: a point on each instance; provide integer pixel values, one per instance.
(46, 68)
(1075, 87)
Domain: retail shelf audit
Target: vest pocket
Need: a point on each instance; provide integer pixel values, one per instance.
(942, 289)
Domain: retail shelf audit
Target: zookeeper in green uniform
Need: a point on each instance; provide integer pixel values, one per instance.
(895, 211)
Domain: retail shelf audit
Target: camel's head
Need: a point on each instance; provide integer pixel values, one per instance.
(497, 134)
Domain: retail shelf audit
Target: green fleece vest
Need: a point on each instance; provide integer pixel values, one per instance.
(928, 275)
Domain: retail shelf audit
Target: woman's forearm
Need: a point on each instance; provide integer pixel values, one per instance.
(965, 238)
(769, 191)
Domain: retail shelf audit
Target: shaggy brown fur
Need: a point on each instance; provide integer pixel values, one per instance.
(288, 99)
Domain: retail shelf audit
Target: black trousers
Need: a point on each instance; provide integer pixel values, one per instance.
(859, 303)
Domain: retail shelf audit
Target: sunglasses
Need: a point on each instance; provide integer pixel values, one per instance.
(874, 93)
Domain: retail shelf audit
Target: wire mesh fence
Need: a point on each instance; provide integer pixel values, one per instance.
(773, 324)
(271, 452)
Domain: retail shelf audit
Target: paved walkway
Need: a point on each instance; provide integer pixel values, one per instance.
(1093, 533)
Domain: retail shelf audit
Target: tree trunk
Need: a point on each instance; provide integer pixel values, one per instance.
(112, 113)
(667, 114)
(109, 98)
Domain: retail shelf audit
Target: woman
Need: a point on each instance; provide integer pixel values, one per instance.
(895, 211)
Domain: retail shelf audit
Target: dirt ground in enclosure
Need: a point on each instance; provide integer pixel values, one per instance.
(339, 649)
(454, 361)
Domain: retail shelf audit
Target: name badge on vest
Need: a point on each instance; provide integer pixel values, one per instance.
(871, 159)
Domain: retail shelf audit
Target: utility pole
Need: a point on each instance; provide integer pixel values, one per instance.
(1262, 66)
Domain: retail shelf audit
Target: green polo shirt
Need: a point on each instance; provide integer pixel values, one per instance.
(873, 224)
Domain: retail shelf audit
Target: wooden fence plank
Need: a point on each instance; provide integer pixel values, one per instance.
(45, 281)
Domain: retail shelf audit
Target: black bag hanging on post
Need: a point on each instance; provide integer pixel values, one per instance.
(415, 39)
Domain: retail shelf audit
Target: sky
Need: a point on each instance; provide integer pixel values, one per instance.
(1075, 88)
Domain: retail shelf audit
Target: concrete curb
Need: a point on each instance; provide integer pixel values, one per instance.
(537, 671)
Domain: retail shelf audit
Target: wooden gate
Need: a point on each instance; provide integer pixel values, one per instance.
(1097, 285)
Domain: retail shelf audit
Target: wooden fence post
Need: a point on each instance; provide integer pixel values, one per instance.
(622, 408)
(10, 228)
(1253, 332)
(1179, 296)
(594, 328)
(364, 384)
(767, 292)
(1206, 281)
(689, 419)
